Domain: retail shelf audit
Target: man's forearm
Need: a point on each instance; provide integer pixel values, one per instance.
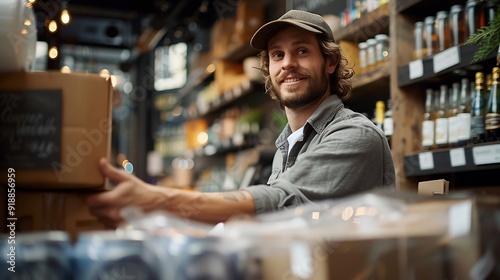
(208, 207)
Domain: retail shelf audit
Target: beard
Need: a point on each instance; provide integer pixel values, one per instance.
(315, 90)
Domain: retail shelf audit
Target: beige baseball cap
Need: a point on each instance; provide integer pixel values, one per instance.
(305, 20)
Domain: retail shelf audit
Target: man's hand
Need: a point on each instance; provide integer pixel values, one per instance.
(129, 190)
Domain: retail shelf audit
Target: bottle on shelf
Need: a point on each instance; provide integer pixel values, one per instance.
(492, 118)
(488, 89)
(419, 40)
(478, 109)
(430, 36)
(362, 56)
(457, 25)
(428, 122)
(453, 119)
(371, 54)
(441, 129)
(475, 17)
(382, 48)
(488, 95)
(379, 114)
(491, 10)
(443, 30)
(388, 122)
(464, 113)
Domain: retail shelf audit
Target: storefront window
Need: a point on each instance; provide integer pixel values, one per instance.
(170, 67)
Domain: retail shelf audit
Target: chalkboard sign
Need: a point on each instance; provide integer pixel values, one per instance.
(30, 135)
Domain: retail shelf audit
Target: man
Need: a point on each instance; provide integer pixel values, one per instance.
(325, 151)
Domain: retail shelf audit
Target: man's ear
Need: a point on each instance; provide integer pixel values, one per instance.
(331, 65)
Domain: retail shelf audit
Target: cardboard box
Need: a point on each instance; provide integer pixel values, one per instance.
(221, 36)
(44, 211)
(228, 74)
(56, 127)
(433, 187)
(250, 15)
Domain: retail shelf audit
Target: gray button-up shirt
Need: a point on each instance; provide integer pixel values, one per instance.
(342, 153)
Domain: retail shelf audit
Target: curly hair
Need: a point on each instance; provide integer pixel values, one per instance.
(340, 79)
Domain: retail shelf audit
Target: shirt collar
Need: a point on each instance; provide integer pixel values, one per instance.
(323, 115)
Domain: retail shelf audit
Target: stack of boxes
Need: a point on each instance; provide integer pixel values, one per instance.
(55, 128)
(230, 34)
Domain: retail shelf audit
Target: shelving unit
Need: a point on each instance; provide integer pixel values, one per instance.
(461, 159)
(367, 26)
(372, 85)
(409, 78)
(237, 94)
(220, 102)
(458, 58)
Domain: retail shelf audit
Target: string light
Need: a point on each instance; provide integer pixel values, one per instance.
(65, 17)
(53, 52)
(52, 26)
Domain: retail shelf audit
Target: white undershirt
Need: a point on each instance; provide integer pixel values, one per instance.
(296, 136)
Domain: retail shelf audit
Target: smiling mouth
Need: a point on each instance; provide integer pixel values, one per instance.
(287, 81)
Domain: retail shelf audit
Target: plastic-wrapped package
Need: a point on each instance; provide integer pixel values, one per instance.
(380, 235)
(161, 223)
(371, 235)
(115, 255)
(37, 255)
(189, 250)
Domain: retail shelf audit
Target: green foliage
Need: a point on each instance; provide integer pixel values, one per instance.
(487, 38)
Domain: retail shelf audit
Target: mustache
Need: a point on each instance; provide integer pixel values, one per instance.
(282, 76)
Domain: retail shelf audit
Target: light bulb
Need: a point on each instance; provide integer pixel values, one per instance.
(65, 17)
(53, 52)
(52, 26)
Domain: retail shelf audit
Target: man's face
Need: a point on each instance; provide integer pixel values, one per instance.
(297, 68)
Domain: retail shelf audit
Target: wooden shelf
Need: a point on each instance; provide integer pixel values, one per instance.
(373, 76)
(466, 53)
(200, 76)
(476, 158)
(239, 53)
(368, 26)
(370, 86)
(229, 97)
(424, 8)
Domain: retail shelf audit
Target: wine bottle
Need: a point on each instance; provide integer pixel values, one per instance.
(453, 119)
(492, 118)
(478, 110)
(441, 130)
(379, 113)
(388, 122)
(463, 113)
(428, 122)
